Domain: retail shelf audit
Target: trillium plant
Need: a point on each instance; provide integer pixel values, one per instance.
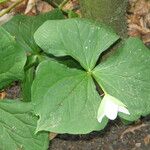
(73, 78)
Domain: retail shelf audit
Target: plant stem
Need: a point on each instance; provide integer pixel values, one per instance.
(63, 4)
(7, 10)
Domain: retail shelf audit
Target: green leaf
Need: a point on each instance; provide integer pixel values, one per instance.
(126, 76)
(12, 59)
(65, 99)
(23, 27)
(17, 127)
(72, 14)
(1, 1)
(81, 39)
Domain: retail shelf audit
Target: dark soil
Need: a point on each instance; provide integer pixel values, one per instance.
(137, 136)
(109, 139)
(13, 91)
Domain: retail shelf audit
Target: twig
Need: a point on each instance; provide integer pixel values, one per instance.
(63, 4)
(132, 129)
(52, 3)
(7, 10)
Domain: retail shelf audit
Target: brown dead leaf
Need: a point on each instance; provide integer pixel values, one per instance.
(43, 7)
(2, 95)
(35, 7)
(142, 7)
(146, 38)
(147, 139)
(71, 5)
(17, 9)
(52, 135)
(30, 6)
(139, 19)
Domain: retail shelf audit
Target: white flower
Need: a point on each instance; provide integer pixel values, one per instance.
(109, 107)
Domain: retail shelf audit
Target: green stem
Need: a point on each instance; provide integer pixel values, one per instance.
(63, 4)
(10, 8)
(98, 83)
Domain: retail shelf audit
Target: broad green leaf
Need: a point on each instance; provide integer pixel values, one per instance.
(23, 27)
(65, 99)
(17, 127)
(12, 59)
(79, 38)
(126, 76)
(1, 1)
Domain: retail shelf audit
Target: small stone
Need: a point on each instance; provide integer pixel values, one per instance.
(138, 144)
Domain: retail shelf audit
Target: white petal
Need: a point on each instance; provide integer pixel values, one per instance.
(100, 113)
(111, 109)
(124, 110)
(100, 118)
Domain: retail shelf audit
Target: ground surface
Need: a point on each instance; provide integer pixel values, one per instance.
(110, 139)
(116, 136)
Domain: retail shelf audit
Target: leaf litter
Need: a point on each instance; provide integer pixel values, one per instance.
(139, 20)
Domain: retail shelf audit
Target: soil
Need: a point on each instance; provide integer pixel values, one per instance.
(109, 139)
